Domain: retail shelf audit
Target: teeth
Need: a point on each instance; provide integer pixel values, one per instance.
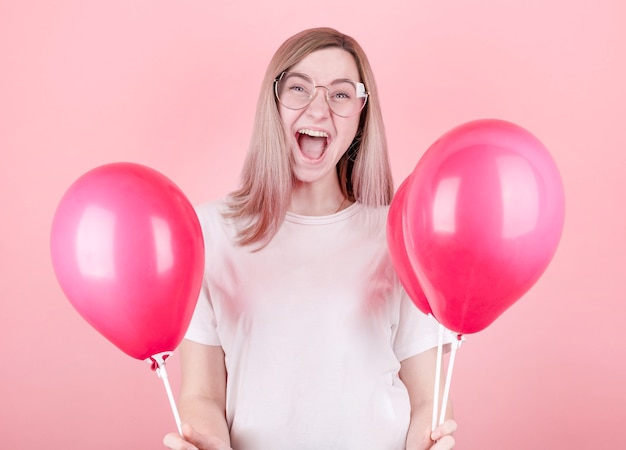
(313, 133)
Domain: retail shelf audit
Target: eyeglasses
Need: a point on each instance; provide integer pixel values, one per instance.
(296, 91)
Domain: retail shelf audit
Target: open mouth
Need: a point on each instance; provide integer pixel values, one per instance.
(312, 143)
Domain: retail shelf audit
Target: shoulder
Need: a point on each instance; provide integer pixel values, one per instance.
(374, 212)
(215, 226)
(210, 209)
(371, 219)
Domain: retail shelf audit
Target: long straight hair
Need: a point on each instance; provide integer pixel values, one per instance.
(260, 203)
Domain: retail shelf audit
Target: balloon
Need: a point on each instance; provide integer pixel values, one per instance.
(128, 252)
(397, 249)
(484, 215)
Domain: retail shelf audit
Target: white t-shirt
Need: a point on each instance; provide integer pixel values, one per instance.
(314, 327)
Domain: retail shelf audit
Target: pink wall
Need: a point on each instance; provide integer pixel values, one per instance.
(173, 84)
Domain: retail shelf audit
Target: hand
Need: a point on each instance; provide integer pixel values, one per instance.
(193, 441)
(440, 438)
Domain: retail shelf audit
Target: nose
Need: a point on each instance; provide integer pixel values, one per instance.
(319, 103)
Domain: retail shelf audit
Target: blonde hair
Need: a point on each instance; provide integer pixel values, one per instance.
(259, 205)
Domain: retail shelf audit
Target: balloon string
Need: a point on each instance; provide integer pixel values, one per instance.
(437, 376)
(446, 391)
(158, 364)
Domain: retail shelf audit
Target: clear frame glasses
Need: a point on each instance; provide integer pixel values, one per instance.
(296, 91)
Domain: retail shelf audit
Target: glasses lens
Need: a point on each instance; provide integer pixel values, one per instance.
(296, 90)
(346, 98)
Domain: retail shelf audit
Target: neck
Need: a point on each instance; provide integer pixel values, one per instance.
(313, 200)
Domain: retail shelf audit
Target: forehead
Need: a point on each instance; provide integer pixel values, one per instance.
(327, 65)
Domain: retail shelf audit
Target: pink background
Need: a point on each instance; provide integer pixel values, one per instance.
(172, 85)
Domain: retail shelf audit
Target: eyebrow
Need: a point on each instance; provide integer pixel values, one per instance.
(302, 75)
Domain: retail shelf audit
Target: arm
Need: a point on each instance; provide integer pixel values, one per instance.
(418, 374)
(202, 402)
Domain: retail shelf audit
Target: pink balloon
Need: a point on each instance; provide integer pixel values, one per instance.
(128, 252)
(484, 216)
(397, 249)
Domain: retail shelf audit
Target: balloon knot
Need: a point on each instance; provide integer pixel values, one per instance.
(460, 338)
(158, 360)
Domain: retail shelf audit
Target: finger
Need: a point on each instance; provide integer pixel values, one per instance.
(445, 443)
(445, 429)
(174, 441)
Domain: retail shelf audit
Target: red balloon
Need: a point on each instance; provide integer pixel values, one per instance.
(128, 252)
(484, 216)
(397, 249)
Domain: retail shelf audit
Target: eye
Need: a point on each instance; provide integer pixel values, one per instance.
(341, 95)
(342, 91)
(296, 84)
(297, 88)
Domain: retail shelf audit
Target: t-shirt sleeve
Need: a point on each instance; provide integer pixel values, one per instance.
(416, 331)
(203, 326)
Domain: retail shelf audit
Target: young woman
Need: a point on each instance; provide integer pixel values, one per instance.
(303, 337)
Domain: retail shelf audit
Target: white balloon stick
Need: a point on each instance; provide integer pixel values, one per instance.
(446, 390)
(162, 373)
(437, 376)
